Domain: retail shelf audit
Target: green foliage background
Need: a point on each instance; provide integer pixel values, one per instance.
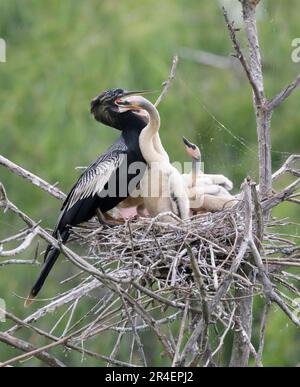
(61, 53)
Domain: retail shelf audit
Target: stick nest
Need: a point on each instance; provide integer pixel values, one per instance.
(162, 252)
(182, 258)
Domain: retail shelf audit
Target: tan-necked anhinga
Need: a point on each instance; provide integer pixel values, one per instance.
(194, 152)
(91, 193)
(137, 200)
(162, 187)
(219, 180)
(207, 192)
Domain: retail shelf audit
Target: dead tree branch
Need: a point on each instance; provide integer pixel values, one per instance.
(241, 57)
(30, 350)
(263, 108)
(283, 95)
(167, 84)
(37, 181)
(254, 74)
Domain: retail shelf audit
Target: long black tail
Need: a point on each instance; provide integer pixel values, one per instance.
(51, 256)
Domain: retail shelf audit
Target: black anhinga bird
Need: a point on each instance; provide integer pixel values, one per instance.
(88, 196)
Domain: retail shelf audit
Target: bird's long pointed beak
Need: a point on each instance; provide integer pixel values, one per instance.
(192, 149)
(187, 142)
(126, 103)
(138, 92)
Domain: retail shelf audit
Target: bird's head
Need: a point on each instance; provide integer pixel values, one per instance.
(133, 102)
(192, 149)
(106, 110)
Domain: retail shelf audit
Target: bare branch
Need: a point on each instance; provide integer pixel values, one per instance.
(20, 249)
(245, 337)
(75, 294)
(262, 334)
(135, 332)
(40, 353)
(167, 84)
(200, 284)
(222, 338)
(287, 168)
(269, 287)
(240, 56)
(244, 314)
(254, 74)
(281, 196)
(18, 262)
(176, 362)
(16, 169)
(223, 288)
(283, 95)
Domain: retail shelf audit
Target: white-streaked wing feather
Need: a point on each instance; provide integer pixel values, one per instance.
(95, 177)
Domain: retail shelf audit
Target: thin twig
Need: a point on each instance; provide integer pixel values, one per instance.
(240, 56)
(283, 95)
(167, 84)
(16, 169)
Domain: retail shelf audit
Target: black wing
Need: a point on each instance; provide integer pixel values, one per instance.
(81, 204)
(97, 175)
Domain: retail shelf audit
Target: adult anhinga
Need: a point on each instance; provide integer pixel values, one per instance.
(162, 187)
(111, 170)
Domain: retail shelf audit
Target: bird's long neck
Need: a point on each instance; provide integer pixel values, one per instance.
(149, 133)
(159, 147)
(196, 170)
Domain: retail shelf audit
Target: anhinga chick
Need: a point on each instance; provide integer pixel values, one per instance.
(194, 152)
(207, 192)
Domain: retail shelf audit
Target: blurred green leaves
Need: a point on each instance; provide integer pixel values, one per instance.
(61, 53)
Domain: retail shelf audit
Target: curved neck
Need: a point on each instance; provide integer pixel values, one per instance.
(150, 132)
(159, 147)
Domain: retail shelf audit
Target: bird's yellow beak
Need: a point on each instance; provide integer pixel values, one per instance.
(137, 92)
(127, 101)
(192, 149)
